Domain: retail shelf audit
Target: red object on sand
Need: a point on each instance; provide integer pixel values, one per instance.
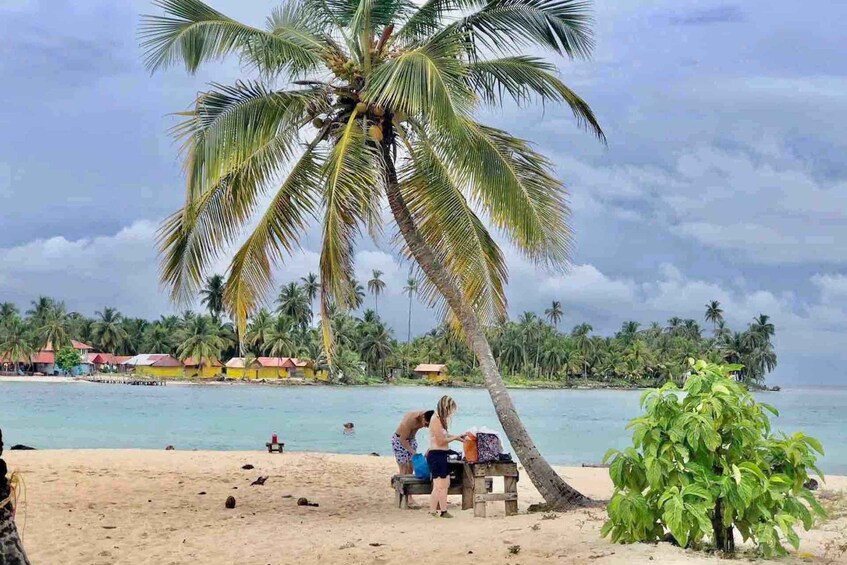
(273, 439)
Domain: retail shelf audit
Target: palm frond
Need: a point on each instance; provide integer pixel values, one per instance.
(431, 15)
(510, 26)
(349, 174)
(515, 186)
(428, 80)
(238, 140)
(231, 124)
(455, 234)
(524, 78)
(278, 233)
(191, 32)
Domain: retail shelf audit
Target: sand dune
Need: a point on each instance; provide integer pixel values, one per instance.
(134, 506)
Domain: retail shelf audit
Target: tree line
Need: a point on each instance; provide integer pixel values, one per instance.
(531, 347)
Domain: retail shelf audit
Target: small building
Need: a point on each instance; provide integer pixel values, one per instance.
(44, 361)
(209, 369)
(272, 368)
(433, 372)
(120, 362)
(155, 365)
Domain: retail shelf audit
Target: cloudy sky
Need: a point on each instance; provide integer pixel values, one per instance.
(724, 177)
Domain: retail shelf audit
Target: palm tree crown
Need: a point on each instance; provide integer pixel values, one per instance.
(404, 82)
(554, 313)
(714, 313)
(213, 295)
(375, 286)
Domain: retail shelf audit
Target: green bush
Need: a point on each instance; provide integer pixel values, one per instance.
(705, 463)
(67, 358)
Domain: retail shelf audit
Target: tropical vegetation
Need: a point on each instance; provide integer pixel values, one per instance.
(705, 464)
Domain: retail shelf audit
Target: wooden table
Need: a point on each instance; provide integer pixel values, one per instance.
(475, 494)
(472, 480)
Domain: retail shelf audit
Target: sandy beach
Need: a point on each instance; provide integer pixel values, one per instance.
(139, 506)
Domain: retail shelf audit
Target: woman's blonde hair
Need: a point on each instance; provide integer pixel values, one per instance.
(446, 408)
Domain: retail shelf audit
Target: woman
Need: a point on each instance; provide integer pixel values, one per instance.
(436, 457)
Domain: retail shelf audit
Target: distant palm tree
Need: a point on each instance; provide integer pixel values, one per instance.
(312, 288)
(7, 311)
(357, 297)
(40, 308)
(714, 313)
(376, 346)
(158, 338)
(375, 286)
(54, 328)
(16, 344)
(213, 295)
(411, 289)
(258, 330)
(294, 303)
(109, 335)
(280, 342)
(554, 313)
(674, 324)
(200, 340)
(763, 327)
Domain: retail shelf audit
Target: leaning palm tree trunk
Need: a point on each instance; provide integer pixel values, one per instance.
(11, 549)
(556, 492)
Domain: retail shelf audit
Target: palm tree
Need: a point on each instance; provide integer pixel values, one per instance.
(311, 286)
(714, 314)
(16, 344)
(554, 313)
(294, 303)
(40, 308)
(674, 324)
(763, 327)
(54, 328)
(200, 340)
(108, 331)
(158, 339)
(357, 295)
(383, 83)
(259, 329)
(213, 295)
(376, 345)
(411, 289)
(7, 311)
(280, 342)
(375, 286)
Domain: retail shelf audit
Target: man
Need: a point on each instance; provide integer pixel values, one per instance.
(403, 441)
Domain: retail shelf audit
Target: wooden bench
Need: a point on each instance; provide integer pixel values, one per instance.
(405, 485)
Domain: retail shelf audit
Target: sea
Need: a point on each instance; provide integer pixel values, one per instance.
(570, 427)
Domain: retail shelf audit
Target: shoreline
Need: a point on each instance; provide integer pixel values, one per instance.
(153, 506)
(589, 385)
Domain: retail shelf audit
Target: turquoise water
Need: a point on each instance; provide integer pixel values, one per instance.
(569, 426)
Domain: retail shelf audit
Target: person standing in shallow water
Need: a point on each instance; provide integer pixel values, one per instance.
(436, 457)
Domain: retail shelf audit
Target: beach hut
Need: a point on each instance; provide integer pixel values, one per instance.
(210, 368)
(272, 368)
(155, 365)
(433, 372)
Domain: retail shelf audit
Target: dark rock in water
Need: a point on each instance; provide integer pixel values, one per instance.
(21, 447)
(260, 481)
(230, 502)
(247, 467)
(170, 448)
(374, 454)
(776, 388)
(811, 484)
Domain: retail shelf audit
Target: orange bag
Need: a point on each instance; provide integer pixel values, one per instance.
(471, 454)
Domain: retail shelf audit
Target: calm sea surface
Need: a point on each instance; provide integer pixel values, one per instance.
(569, 426)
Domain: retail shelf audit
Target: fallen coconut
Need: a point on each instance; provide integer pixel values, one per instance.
(230, 502)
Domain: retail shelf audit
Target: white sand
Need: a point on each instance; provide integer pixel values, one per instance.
(136, 506)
